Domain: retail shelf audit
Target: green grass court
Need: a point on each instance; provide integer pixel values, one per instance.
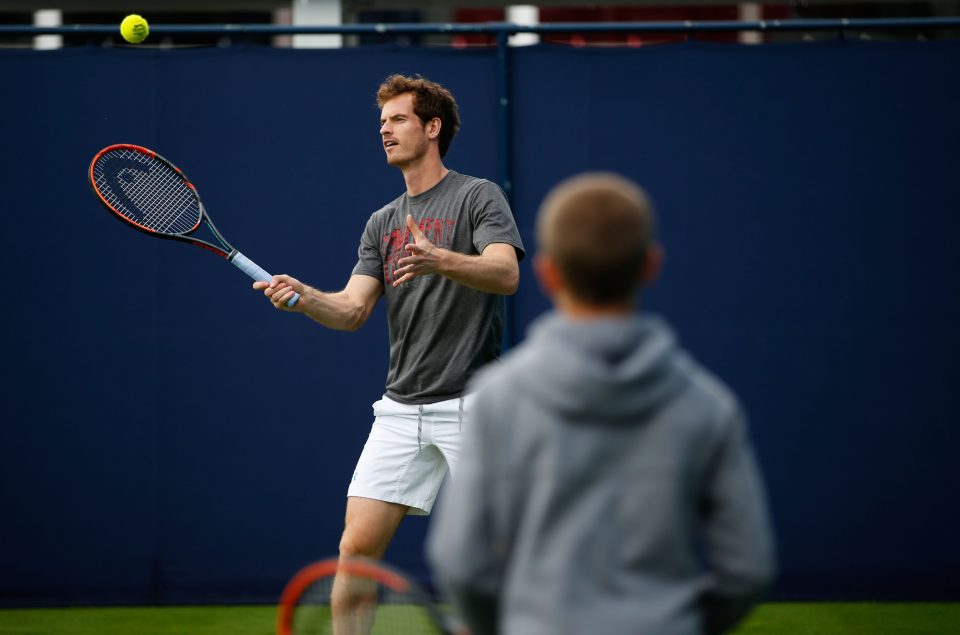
(769, 619)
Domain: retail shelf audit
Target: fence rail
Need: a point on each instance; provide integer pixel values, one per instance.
(500, 28)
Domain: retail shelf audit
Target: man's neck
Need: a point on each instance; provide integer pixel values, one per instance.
(423, 176)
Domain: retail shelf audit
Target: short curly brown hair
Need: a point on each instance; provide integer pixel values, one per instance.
(430, 100)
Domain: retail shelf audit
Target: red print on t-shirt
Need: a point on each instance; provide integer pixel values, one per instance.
(438, 231)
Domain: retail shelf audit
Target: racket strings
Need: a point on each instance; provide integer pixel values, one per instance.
(373, 608)
(173, 204)
(147, 191)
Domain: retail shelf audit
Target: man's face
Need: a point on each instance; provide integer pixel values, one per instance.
(405, 138)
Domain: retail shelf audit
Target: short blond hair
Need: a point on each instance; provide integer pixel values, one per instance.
(598, 229)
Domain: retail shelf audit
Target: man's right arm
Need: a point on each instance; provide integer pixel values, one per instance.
(345, 310)
(738, 533)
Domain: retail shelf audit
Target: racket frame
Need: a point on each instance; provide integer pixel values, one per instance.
(369, 569)
(224, 250)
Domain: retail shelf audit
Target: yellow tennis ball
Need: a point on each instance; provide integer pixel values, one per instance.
(134, 29)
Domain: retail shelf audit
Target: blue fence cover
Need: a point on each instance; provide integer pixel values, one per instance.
(167, 436)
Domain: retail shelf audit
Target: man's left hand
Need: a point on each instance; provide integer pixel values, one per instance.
(423, 256)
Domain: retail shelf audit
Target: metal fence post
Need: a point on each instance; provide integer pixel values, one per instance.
(504, 155)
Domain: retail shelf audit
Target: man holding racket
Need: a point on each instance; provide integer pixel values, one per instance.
(607, 483)
(443, 254)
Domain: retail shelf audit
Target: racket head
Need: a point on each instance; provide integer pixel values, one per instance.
(385, 601)
(147, 192)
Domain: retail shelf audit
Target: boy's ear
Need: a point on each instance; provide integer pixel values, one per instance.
(548, 275)
(652, 265)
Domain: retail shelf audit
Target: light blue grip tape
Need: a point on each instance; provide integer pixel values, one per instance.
(254, 270)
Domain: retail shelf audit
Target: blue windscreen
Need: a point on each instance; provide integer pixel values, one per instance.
(807, 199)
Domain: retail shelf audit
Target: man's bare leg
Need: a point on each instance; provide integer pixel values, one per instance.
(369, 527)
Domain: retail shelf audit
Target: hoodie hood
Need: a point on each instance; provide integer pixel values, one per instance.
(606, 370)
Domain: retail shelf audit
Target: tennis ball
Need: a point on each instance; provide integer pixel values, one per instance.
(134, 29)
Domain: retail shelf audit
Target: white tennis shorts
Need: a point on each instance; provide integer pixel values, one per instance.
(408, 452)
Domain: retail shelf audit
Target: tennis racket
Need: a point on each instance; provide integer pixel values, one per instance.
(152, 195)
(380, 601)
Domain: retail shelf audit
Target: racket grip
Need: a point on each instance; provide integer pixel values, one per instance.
(256, 272)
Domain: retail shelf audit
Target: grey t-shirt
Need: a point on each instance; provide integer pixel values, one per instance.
(440, 331)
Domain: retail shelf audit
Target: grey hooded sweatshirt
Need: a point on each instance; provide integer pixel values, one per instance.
(607, 485)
